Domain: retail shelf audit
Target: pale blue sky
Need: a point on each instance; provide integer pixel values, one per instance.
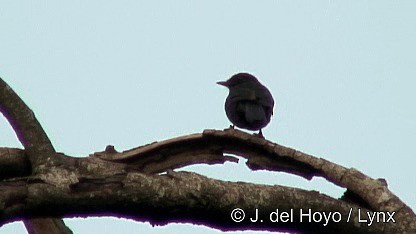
(343, 75)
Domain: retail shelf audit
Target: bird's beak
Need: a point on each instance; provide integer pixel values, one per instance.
(223, 83)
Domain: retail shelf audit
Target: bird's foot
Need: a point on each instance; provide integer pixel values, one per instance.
(171, 174)
(232, 126)
(260, 134)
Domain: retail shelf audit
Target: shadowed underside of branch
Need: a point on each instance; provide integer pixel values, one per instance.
(179, 197)
(133, 183)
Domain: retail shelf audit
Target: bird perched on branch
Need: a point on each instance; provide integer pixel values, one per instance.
(249, 104)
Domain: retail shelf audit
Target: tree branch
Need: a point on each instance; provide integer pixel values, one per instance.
(208, 147)
(27, 128)
(181, 197)
(13, 163)
(37, 146)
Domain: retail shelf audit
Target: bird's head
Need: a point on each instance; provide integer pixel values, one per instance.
(239, 79)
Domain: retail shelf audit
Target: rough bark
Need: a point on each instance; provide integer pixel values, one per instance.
(109, 169)
(182, 197)
(38, 148)
(27, 128)
(133, 184)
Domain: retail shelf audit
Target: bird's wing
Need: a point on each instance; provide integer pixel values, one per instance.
(254, 112)
(259, 94)
(264, 96)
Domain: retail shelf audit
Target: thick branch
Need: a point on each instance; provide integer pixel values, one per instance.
(28, 130)
(37, 145)
(182, 197)
(266, 155)
(13, 163)
(208, 147)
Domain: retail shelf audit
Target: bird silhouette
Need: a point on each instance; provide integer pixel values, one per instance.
(249, 104)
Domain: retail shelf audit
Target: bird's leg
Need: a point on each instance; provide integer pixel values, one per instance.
(231, 127)
(260, 134)
(171, 174)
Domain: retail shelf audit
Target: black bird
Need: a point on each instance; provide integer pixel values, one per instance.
(249, 104)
